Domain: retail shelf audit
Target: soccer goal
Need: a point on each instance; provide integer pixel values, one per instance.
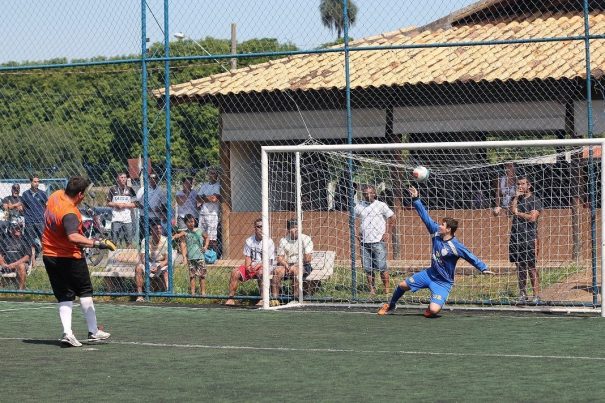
(530, 209)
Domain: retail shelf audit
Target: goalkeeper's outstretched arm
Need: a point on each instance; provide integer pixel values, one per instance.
(431, 225)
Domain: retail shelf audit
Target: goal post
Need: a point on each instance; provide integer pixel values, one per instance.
(309, 182)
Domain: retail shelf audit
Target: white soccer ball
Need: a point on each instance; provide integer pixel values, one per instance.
(420, 173)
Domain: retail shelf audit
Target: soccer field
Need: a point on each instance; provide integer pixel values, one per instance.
(219, 354)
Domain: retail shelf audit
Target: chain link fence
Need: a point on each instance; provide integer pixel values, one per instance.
(165, 105)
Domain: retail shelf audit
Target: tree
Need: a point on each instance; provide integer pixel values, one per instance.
(332, 15)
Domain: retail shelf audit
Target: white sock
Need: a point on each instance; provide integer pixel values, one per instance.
(88, 309)
(65, 309)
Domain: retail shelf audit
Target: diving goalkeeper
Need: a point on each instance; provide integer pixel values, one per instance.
(64, 260)
(439, 278)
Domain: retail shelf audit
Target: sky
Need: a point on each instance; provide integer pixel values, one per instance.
(35, 30)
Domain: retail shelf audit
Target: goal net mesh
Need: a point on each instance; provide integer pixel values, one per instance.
(479, 187)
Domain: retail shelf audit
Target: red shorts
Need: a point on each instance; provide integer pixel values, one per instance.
(250, 273)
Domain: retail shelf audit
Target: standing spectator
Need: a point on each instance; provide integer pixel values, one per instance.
(13, 205)
(377, 221)
(193, 245)
(157, 205)
(505, 189)
(209, 196)
(62, 243)
(120, 198)
(186, 199)
(34, 202)
(525, 209)
(288, 258)
(253, 264)
(15, 254)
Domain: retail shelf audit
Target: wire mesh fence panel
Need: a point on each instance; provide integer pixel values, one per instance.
(526, 218)
(190, 92)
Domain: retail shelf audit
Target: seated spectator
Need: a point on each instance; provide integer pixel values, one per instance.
(158, 260)
(13, 205)
(15, 254)
(252, 269)
(288, 259)
(193, 245)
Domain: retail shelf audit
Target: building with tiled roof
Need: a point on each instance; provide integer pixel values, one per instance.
(416, 90)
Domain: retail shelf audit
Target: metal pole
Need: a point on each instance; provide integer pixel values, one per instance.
(266, 232)
(145, 139)
(351, 189)
(299, 225)
(233, 46)
(592, 186)
(602, 227)
(168, 142)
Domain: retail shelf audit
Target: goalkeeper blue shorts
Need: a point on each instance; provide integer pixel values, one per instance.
(439, 290)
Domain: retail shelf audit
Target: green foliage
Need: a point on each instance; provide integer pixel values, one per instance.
(88, 120)
(332, 15)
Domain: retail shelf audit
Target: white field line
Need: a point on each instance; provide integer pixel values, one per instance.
(337, 350)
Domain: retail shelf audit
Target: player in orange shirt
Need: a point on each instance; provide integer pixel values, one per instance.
(62, 243)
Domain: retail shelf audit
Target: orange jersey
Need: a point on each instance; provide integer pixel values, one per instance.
(54, 239)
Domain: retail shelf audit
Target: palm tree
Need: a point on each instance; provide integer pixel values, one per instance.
(332, 14)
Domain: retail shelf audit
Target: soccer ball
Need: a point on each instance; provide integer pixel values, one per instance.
(420, 174)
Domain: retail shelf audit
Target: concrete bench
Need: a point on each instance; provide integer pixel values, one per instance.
(323, 265)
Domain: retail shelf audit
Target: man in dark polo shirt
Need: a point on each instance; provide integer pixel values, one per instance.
(525, 209)
(34, 201)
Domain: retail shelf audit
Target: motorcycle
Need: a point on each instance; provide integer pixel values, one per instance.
(94, 224)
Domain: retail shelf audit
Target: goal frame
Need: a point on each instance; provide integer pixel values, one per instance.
(298, 149)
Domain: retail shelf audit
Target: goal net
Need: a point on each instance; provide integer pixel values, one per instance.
(531, 210)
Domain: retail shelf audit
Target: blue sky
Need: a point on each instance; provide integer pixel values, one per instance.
(42, 29)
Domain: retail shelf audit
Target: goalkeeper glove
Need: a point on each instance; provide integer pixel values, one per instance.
(105, 244)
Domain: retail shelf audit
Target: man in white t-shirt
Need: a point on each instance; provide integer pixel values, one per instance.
(376, 222)
(253, 264)
(158, 259)
(121, 200)
(288, 259)
(209, 196)
(186, 199)
(157, 205)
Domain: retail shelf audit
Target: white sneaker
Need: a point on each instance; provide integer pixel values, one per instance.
(70, 340)
(99, 335)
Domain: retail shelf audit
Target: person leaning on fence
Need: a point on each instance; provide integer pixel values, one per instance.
(209, 196)
(62, 243)
(377, 221)
(34, 202)
(506, 188)
(193, 245)
(158, 259)
(253, 264)
(288, 258)
(120, 198)
(525, 210)
(15, 254)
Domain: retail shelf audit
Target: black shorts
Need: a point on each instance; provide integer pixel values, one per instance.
(522, 249)
(69, 277)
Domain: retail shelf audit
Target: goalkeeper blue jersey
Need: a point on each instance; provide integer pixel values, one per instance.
(445, 254)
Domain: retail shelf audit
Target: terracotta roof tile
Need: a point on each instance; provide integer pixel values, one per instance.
(527, 61)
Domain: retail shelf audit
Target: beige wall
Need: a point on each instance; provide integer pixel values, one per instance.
(485, 235)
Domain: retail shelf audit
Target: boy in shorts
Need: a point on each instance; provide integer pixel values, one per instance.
(193, 245)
